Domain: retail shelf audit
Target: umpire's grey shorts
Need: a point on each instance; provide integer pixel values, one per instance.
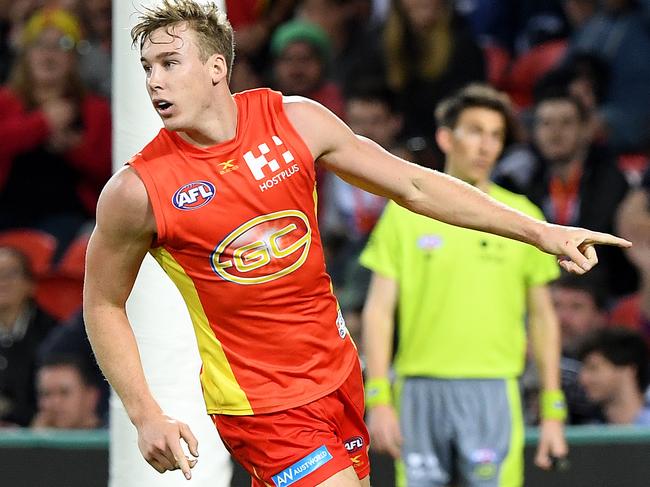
(468, 431)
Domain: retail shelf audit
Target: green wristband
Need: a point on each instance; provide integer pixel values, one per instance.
(553, 405)
(378, 392)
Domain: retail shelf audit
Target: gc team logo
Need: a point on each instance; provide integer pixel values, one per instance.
(193, 195)
(263, 249)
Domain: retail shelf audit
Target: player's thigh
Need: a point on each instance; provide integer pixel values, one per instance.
(302, 446)
(289, 448)
(346, 478)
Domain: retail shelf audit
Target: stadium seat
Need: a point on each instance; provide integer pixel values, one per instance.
(37, 245)
(633, 165)
(528, 68)
(73, 262)
(60, 292)
(497, 60)
(60, 296)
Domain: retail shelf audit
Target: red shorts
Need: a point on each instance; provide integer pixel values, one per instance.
(303, 446)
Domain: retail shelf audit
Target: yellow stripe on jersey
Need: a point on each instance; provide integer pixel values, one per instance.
(223, 394)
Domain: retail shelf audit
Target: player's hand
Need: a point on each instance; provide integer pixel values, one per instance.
(385, 434)
(159, 442)
(574, 247)
(551, 443)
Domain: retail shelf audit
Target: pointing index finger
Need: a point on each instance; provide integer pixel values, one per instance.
(598, 238)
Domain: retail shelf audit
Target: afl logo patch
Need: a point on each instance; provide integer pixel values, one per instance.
(193, 195)
(354, 444)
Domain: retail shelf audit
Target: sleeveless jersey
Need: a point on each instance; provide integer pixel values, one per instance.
(237, 233)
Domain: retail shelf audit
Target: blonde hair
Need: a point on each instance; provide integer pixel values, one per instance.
(214, 32)
(409, 56)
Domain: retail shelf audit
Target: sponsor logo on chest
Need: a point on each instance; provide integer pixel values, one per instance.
(265, 167)
(264, 248)
(228, 166)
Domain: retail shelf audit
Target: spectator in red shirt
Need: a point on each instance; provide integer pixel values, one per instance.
(56, 137)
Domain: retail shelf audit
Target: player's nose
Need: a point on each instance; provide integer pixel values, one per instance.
(154, 81)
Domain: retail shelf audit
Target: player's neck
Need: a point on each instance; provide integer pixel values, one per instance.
(218, 125)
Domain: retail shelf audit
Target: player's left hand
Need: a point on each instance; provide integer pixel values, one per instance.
(575, 247)
(551, 443)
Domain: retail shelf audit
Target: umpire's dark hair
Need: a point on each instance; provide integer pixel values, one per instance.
(476, 95)
(622, 347)
(80, 364)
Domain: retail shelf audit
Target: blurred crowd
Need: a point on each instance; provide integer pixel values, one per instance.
(577, 71)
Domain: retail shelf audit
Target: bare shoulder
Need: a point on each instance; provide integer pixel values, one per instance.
(123, 234)
(307, 114)
(299, 105)
(124, 207)
(321, 130)
(304, 114)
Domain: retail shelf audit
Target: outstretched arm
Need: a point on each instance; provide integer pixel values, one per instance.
(363, 163)
(124, 231)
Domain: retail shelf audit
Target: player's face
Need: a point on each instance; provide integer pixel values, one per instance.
(600, 377)
(474, 145)
(559, 132)
(179, 83)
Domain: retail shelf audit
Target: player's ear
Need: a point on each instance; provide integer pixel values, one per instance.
(444, 139)
(218, 67)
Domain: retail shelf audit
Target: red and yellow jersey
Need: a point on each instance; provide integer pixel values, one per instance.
(237, 233)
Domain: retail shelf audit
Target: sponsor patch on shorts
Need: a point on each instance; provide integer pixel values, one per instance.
(303, 467)
(353, 444)
(485, 465)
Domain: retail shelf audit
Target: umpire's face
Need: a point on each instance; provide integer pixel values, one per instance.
(473, 145)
